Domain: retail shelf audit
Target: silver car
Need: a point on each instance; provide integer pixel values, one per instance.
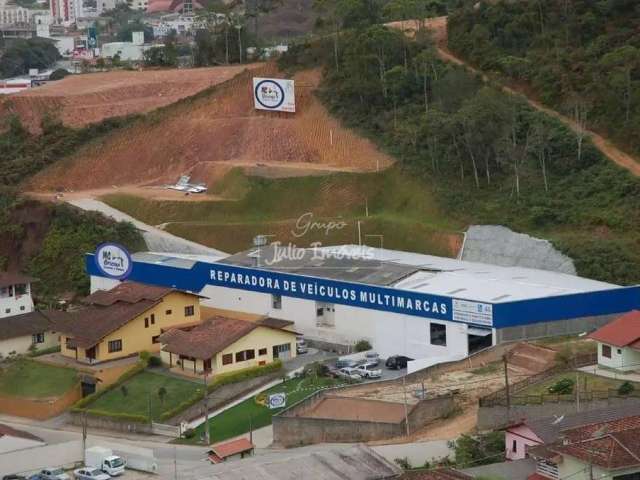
(349, 373)
(54, 474)
(90, 473)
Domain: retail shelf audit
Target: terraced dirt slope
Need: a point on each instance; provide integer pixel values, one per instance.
(79, 100)
(207, 135)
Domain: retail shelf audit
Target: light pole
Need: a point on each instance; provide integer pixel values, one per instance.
(206, 409)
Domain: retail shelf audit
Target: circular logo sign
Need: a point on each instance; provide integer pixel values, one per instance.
(277, 400)
(269, 94)
(113, 260)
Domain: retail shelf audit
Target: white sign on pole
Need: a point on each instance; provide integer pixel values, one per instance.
(274, 94)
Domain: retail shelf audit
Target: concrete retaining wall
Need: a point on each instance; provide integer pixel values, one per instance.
(490, 418)
(292, 429)
(39, 409)
(105, 423)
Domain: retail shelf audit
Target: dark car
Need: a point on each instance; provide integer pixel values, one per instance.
(14, 477)
(396, 362)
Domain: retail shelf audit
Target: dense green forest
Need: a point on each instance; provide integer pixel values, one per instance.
(22, 55)
(581, 57)
(489, 156)
(49, 240)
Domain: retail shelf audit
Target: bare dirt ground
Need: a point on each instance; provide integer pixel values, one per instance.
(79, 100)
(438, 29)
(221, 130)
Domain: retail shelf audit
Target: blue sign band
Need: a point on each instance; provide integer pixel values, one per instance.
(436, 307)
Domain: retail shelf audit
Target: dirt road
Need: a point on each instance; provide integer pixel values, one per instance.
(438, 28)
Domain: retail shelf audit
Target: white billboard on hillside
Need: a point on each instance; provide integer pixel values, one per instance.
(274, 94)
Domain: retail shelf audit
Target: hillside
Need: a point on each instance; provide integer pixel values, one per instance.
(79, 100)
(581, 58)
(208, 134)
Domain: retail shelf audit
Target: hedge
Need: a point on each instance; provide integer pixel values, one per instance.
(219, 381)
(244, 374)
(45, 351)
(126, 417)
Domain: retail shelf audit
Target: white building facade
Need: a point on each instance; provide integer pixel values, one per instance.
(15, 294)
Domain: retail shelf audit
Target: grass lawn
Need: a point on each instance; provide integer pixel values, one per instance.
(142, 395)
(588, 383)
(235, 421)
(28, 378)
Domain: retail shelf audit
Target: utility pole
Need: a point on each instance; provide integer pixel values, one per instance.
(84, 438)
(506, 383)
(250, 428)
(406, 414)
(206, 410)
(577, 392)
(175, 463)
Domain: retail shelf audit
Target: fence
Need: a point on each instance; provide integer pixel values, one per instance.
(500, 397)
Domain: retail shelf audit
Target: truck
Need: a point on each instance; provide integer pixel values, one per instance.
(104, 459)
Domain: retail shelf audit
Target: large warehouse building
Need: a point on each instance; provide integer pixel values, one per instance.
(402, 303)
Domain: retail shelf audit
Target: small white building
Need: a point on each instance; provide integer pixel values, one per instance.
(15, 294)
(619, 343)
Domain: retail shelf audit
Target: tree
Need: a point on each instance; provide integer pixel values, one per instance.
(162, 393)
(622, 62)
(23, 55)
(425, 64)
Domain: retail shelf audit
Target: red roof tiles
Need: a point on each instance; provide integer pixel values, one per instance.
(234, 447)
(623, 331)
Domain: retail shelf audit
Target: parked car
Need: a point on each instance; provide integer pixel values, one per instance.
(396, 362)
(14, 477)
(37, 476)
(301, 345)
(54, 474)
(343, 362)
(349, 373)
(372, 357)
(369, 370)
(90, 473)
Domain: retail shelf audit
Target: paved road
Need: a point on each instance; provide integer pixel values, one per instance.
(157, 240)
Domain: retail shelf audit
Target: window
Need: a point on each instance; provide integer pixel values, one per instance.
(153, 319)
(146, 322)
(276, 301)
(262, 351)
(22, 307)
(438, 334)
(155, 339)
(619, 352)
(21, 289)
(115, 346)
(606, 351)
(319, 312)
(68, 345)
(245, 355)
(7, 310)
(37, 338)
(168, 312)
(514, 446)
(189, 311)
(227, 359)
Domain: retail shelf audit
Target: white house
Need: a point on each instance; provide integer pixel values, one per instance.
(21, 333)
(619, 343)
(15, 294)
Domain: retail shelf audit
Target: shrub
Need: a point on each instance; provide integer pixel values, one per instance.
(563, 386)
(626, 388)
(145, 356)
(403, 463)
(362, 346)
(189, 433)
(124, 390)
(59, 74)
(44, 351)
(244, 374)
(155, 361)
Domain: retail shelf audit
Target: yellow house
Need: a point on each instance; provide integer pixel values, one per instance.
(125, 321)
(222, 344)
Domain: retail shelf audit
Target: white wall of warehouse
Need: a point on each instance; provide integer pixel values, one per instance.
(388, 333)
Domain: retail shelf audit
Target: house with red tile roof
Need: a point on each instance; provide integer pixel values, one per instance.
(619, 343)
(606, 450)
(222, 344)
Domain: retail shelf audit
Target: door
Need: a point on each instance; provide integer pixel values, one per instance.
(207, 365)
(283, 352)
(90, 353)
